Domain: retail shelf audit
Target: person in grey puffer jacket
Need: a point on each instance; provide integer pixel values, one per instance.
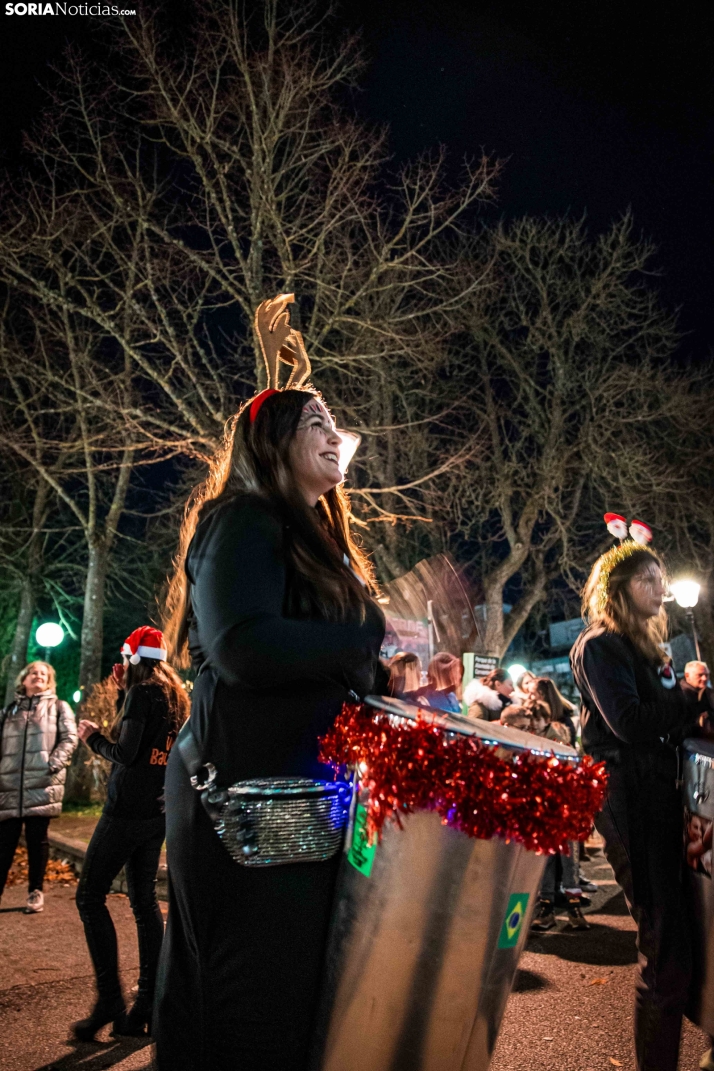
(38, 735)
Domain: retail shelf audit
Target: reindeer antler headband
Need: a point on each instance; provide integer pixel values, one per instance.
(279, 343)
(640, 539)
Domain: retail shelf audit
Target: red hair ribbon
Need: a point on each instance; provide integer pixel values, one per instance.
(258, 401)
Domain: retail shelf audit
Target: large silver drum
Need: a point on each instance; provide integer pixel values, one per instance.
(426, 935)
(698, 819)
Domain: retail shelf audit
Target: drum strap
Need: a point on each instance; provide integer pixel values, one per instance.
(190, 753)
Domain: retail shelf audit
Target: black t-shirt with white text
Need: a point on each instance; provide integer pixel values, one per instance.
(139, 756)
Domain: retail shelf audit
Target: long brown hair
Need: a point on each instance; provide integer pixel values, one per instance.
(539, 708)
(544, 690)
(254, 457)
(159, 672)
(404, 673)
(496, 676)
(618, 615)
(446, 671)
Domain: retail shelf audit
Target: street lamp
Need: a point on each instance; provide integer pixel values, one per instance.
(516, 671)
(48, 636)
(686, 592)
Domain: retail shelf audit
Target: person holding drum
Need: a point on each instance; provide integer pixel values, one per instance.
(634, 713)
(273, 598)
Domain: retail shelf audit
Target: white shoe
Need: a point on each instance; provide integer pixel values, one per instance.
(35, 902)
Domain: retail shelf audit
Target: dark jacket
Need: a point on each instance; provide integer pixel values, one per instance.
(707, 701)
(628, 704)
(269, 683)
(139, 756)
(633, 714)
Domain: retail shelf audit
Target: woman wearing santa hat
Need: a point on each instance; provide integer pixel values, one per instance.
(273, 598)
(130, 832)
(633, 716)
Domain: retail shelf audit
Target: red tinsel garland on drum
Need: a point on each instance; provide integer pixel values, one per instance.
(542, 802)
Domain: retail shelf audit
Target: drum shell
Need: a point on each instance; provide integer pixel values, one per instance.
(415, 980)
(418, 974)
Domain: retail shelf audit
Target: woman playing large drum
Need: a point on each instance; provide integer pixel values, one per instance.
(272, 597)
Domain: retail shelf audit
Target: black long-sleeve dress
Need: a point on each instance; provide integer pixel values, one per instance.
(633, 716)
(243, 951)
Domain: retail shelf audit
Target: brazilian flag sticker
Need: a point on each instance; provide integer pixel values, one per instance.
(515, 914)
(361, 854)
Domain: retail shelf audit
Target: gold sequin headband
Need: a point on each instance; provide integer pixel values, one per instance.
(609, 561)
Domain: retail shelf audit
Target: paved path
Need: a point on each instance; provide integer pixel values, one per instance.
(46, 983)
(571, 1011)
(572, 1005)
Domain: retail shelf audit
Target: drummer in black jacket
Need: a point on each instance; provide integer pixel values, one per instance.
(153, 705)
(633, 715)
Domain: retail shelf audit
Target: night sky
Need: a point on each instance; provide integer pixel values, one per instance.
(595, 106)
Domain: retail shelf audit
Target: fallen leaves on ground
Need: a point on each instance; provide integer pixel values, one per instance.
(59, 871)
(599, 981)
(615, 1063)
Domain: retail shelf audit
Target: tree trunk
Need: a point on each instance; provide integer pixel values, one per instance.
(387, 564)
(28, 595)
(81, 780)
(492, 628)
(90, 663)
(18, 653)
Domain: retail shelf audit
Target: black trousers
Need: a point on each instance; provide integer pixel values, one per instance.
(38, 848)
(641, 824)
(135, 845)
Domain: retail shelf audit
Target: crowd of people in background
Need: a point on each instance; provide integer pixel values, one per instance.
(532, 704)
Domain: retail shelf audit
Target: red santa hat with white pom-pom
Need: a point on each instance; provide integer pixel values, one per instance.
(144, 642)
(616, 525)
(641, 533)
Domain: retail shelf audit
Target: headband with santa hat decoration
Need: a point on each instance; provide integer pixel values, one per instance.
(639, 531)
(144, 642)
(640, 539)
